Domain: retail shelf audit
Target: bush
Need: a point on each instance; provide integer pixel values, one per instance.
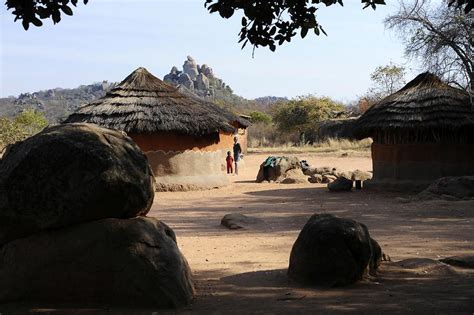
(26, 124)
(267, 135)
(259, 117)
(303, 114)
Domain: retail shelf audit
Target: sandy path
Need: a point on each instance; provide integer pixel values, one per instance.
(243, 271)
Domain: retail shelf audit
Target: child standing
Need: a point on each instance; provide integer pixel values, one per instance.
(230, 160)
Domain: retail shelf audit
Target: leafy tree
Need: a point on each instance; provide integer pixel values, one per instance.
(270, 22)
(33, 11)
(441, 37)
(260, 117)
(26, 124)
(303, 113)
(386, 80)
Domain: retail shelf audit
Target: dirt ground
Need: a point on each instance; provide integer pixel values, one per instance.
(244, 271)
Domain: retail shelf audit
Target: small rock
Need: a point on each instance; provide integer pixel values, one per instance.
(295, 176)
(345, 174)
(340, 184)
(360, 175)
(328, 179)
(234, 221)
(325, 170)
(316, 179)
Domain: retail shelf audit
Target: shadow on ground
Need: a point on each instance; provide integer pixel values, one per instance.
(394, 290)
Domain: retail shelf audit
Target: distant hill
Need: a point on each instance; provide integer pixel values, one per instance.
(56, 103)
(266, 101)
(200, 80)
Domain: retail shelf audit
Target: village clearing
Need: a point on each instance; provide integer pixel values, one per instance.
(244, 271)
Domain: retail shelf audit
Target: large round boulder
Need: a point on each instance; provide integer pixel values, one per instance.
(333, 251)
(71, 174)
(130, 262)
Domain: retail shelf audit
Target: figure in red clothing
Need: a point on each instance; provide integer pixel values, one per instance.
(230, 161)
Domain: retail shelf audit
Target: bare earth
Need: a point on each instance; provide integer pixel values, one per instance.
(244, 271)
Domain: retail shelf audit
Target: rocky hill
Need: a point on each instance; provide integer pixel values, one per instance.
(200, 80)
(56, 103)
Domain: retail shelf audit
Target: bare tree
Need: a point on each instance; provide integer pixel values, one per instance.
(440, 37)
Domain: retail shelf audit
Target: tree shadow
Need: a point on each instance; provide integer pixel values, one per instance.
(393, 290)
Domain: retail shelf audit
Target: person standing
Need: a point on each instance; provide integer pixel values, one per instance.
(237, 151)
(230, 161)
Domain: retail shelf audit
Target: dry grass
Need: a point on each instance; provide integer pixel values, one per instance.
(330, 146)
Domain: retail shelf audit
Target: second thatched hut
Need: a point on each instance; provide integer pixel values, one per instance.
(420, 133)
(185, 138)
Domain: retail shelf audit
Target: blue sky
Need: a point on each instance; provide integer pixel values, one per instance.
(108, 39)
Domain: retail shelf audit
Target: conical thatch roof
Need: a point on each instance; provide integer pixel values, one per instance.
(142, 103)
(231, 116)
(424, 104)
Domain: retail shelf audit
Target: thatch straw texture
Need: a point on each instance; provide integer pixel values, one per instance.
(424, 110)
(336, 128)
(241, 121)
(142, 103)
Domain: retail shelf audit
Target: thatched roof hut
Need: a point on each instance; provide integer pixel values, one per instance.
(184, 137)
(424, 110)
(142, 103)
(422, 132)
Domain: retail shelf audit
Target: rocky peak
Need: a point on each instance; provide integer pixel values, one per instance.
(200, 79)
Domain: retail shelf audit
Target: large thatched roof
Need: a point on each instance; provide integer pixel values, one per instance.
(142, 103)
(242, 122)
(425, 104)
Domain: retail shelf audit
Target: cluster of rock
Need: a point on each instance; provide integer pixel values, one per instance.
(73, 201)
(199, 79)
(291, 170)
(337, 180)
